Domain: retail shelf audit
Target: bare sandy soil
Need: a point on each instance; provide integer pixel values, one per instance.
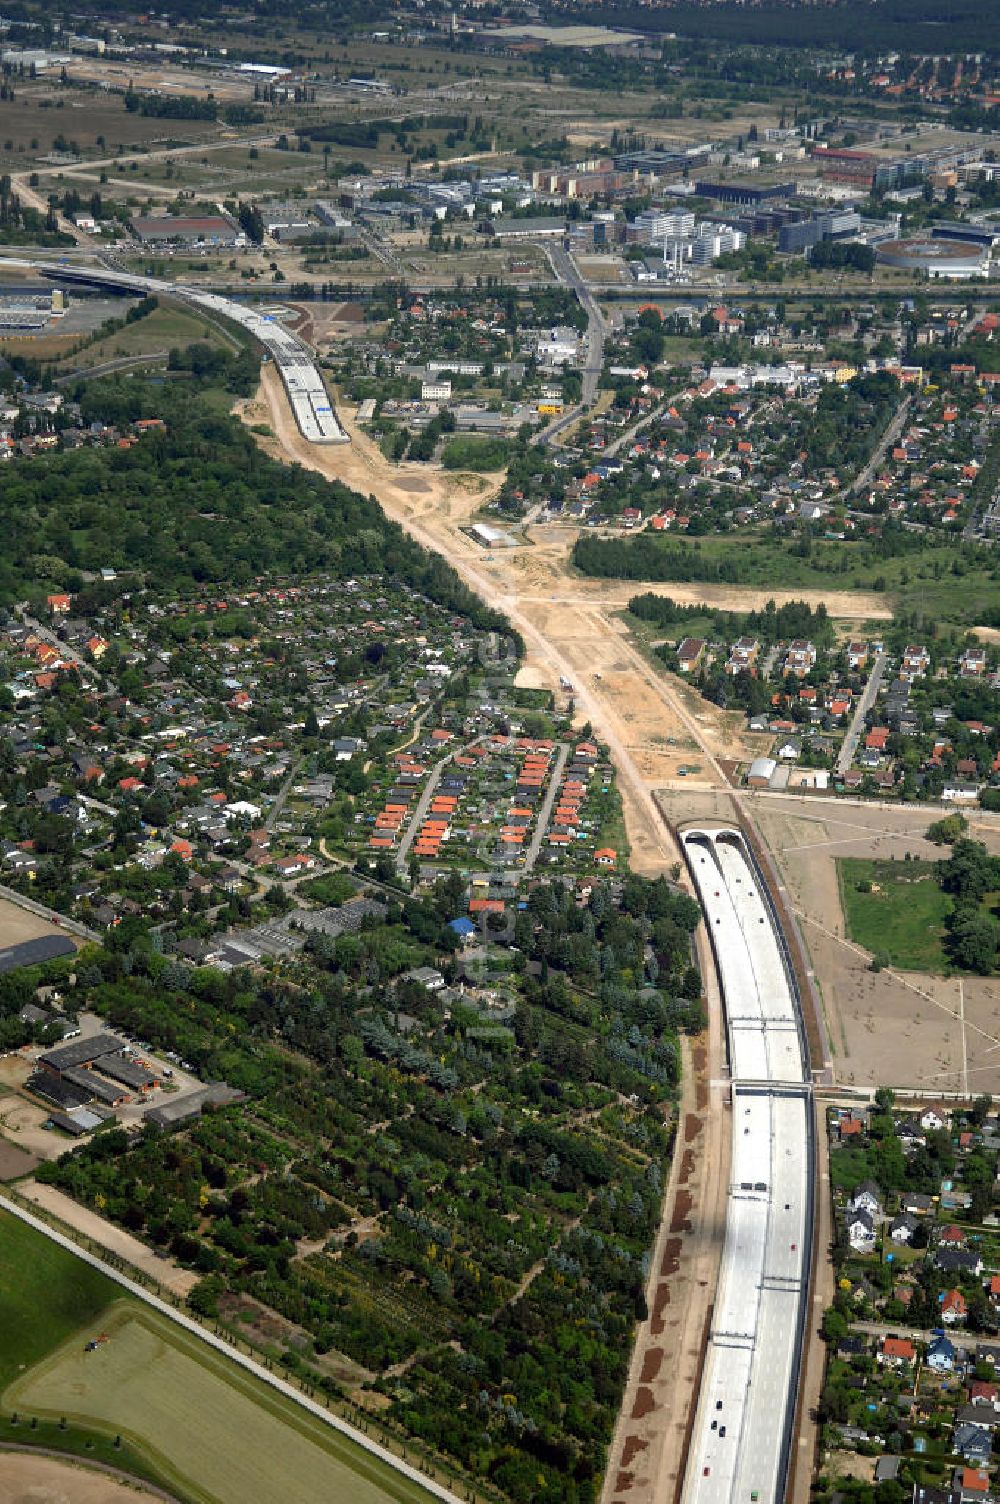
(17, 925)
(164, 80)
(931, 1033)
(115, 1239)
(14, 1161)
(649, 1448)
(570, 625)
(27, 1479)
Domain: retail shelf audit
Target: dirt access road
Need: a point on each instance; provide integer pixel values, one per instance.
(570, 626)
(108, 1237)
(652, 723)
(649, 1448)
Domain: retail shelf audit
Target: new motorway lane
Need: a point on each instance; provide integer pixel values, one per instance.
(741, 1440)
(302, 378)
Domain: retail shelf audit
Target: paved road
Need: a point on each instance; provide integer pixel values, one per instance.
(565, 269)
(283, 794)
(108, 367)
(967, 1341)
(423, 805)
(273, 1380)
(865, 702)
(64, 649)
(545, 813)
(882, 448)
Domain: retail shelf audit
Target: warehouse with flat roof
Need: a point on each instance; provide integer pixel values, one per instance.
(185, 1108)
(80, 1052)
(35, 952)
(207, 229)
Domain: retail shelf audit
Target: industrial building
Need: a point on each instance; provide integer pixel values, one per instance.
(94, 1074)
(35, 952)
(173, 229)
(743, 1429)
(27, 311)
(743, 193)
(986, 236)
(81, 1052)
(186, 1108)
(546, 227)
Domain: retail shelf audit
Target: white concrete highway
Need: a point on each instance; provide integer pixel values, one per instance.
(741, 1439)
(307, 393)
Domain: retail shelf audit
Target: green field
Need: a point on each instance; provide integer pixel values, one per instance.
(46, 1295)
(187, 1416)
(904, 915)
(944, 582)
(165, 328)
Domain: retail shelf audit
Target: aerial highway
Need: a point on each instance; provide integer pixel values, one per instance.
(303, 381)
(741, 1440)
(566, 271)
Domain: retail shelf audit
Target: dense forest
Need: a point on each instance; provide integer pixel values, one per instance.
(911, 25)
(773, 624)
(193, 504)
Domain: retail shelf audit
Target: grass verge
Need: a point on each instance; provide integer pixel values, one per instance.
(903, 915)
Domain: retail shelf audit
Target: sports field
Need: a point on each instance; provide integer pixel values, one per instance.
(207, 1427)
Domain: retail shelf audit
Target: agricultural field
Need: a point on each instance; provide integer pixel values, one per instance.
(156, 1385)
(46, 1296)
(896, 909)
(152, 1385)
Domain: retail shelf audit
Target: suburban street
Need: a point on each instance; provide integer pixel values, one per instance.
(423, 804)
(64, 649)
(964, 1341)
(867, 699)
(886, 442)
(545, 813)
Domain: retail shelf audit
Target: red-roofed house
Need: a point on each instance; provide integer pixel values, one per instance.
(896, 1351)
(953, 1307)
